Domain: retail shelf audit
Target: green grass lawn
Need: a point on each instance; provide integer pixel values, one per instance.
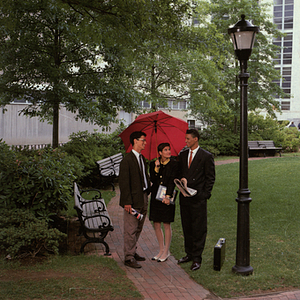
(274, 229)
(274, 245)
(66, 277)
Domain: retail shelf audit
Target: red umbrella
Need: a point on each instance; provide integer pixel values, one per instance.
(160, 128)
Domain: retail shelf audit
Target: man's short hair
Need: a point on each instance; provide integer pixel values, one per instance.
(194, 133)
(136, 135)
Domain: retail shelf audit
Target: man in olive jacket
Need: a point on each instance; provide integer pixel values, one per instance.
(134, 184)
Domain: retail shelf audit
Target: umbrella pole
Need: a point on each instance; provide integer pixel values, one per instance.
(155, 130)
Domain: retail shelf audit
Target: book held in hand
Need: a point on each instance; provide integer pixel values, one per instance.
(184, 189)
(161, 193)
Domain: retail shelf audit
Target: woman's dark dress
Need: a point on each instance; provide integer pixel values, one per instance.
(160, 212)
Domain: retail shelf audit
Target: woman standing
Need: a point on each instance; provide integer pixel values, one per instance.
(163, 172)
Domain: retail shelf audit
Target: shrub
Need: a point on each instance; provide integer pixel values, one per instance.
(41, 183)
(218, 139)
(291, 141)
(212, 150)
(222, 138)
(22, 234)
(265, 128)
(91, 147)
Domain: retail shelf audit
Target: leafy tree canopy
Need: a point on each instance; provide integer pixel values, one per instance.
(72, 53)
(262, 88)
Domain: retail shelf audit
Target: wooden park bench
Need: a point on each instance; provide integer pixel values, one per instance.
(109, 169)
(255, 148)
(95, 222)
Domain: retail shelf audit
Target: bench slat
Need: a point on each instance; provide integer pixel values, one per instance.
(263, 147)
(109, 168)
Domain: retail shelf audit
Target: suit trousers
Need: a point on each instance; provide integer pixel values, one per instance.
(132, 229)
(194, 225)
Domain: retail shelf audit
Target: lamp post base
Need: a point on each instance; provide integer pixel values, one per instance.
(248, 270)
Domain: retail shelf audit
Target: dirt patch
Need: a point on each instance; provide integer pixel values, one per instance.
(15, 275)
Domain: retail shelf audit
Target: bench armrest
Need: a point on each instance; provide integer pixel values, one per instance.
(96, 197)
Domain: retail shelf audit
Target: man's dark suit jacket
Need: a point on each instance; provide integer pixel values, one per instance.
(201, 174)
(131, 182)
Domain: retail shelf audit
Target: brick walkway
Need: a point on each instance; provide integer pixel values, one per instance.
(159, 281)
(154, 280)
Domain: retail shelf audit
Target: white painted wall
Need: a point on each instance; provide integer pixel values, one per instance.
(21, 130)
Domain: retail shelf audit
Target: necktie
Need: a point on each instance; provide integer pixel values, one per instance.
(191, 158)
(143, 172)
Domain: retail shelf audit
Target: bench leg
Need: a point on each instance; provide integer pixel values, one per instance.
(107, 181)
(113, 185)
(96, 240)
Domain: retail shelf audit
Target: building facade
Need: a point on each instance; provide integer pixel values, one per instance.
(283, 14)
(17, 129)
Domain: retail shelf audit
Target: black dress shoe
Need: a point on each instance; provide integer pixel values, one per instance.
(139, 258)
(195, 266)
(184, 259)
(132, 263)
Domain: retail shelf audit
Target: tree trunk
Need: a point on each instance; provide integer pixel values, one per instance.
(235, 125)
(55, 125)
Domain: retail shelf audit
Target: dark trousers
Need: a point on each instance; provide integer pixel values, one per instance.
(132, 229)
(194, 225)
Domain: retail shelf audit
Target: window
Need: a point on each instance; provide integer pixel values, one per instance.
(285, 81)
(192, 124)
(283, 13)
(285, 105)
(145, 104)
(177, 105)
(20, 101)
(172, 104)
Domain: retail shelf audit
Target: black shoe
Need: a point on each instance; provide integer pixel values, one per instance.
(139, 258)
(184, 259)
(132, 263)
(195, 266)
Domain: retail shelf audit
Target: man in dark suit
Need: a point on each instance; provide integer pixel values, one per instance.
(134, 183)
(198, 167)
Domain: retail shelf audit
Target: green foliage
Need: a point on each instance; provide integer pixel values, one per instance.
(225, 101)
(212, 150)
(91, 147)
(265, 128)
(22, 234)
(217, 137)
(41, 182)
(291, 139)
(76, 54)
(221, 139)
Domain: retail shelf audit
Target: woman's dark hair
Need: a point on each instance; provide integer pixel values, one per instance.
(162, 146)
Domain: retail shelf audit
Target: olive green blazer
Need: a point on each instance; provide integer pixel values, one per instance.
(131, 182)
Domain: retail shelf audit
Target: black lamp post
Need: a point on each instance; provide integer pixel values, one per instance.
(243, 37)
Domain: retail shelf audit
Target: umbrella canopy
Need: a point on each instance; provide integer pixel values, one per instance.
(159, 128)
